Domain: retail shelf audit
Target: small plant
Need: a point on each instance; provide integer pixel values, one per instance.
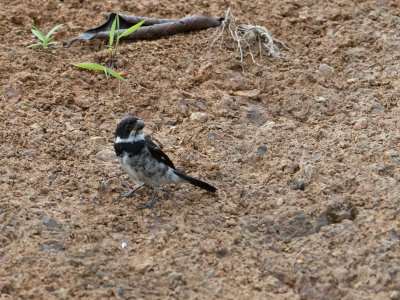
(109, 65)
(115, 26)
(107, 71)
(44, 40)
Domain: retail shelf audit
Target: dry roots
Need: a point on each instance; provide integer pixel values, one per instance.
(247, 34)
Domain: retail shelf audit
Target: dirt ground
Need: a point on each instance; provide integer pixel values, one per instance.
(304, 151)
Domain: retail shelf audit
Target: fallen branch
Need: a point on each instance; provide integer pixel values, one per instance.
(153, 28)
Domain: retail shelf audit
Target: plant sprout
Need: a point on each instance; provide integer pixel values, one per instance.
(44, 40)
(108, 68)
(107, 71)
(125, 33)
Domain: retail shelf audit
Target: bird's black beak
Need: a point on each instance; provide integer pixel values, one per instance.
(139, 125)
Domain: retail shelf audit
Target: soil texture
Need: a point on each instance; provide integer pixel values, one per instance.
(304, 150)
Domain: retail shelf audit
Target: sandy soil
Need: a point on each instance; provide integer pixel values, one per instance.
(304, 151)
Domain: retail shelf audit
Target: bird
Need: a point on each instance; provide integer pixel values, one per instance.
(145, 162)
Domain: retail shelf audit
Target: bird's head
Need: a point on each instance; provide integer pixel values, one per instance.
(130, 127)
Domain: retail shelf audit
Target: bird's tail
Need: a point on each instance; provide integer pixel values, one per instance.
(196, 182)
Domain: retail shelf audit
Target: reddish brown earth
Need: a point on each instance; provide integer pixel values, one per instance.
(304, 151)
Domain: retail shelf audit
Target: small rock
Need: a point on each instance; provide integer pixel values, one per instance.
(69, 126)
(10, 93)
(378, 108)
(176, 277)
(230, 223)
(210, 273)
(250, 94)
(351, 80)
(222, 252)
(341, 273)
(62, 293)
(310, 171)
(123, 245)
(317, 156)
(326, 70)
(105, 155)
(49, 288)
(199, 117)
(52, 176)
(52, 245)
(171, 123)
(279, 202)
(261, 150)
(394, 295)
(49, 222)
(360, 124)
(296, 184)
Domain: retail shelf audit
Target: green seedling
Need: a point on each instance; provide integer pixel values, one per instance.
(44, 40)
(115, 29)
(115, 26)
(107, 71)
(108, 68)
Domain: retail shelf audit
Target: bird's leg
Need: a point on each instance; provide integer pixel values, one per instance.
(152, 201)
(131, 193)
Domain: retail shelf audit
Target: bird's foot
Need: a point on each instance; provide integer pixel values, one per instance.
(147, 204)
(130, 194)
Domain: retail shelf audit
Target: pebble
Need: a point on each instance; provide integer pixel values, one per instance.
(62, 293)
(199, 117)
(360, 124)
(176, 277)
(262, 150)
(105, 155)
(279, 202)
(378, 108)
(49, 222)
(52, 176)
(249, 94)
(230, 223)
(310, 171)
(326, 70)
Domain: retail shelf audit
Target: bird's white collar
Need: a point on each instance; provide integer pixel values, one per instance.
(132, 138)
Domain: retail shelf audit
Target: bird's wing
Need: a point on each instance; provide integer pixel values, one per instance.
(158, 154)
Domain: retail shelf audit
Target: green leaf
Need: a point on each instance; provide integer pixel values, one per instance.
(37, 44)
(52, 30)
(38, 34)
(131, 29)
(115, 74)
(90, 66)
(112, 30)
(117, 24)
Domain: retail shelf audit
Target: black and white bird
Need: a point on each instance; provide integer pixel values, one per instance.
(145, 162)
